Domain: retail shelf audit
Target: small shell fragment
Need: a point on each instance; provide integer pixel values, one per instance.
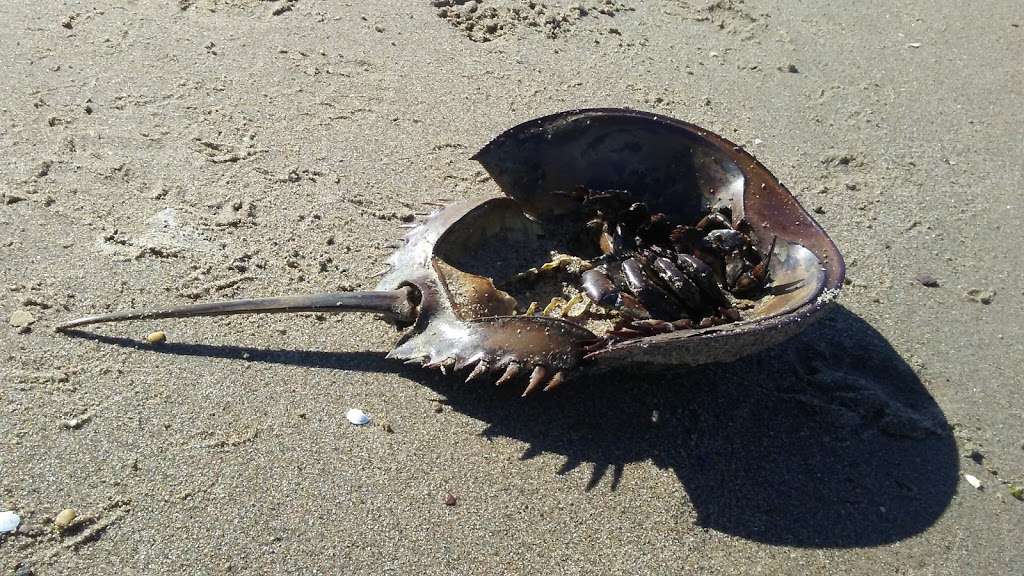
(76, 422)
(21, 319)
(973, 481)
(9, 521)
(64, 519)
(357, 417)
(158, 337)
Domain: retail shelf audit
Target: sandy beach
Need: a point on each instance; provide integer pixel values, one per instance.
(165, 153)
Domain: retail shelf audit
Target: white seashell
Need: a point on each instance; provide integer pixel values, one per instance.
(973, 481)
(9, 521)
(357, 416)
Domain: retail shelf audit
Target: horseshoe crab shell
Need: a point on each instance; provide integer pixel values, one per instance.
(682, 170)
(445, 283)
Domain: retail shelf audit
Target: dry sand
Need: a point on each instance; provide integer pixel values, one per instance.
(162, 152)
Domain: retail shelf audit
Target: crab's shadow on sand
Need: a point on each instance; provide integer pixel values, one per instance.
(829, 440)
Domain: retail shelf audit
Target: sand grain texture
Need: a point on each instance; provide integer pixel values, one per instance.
(169, 152)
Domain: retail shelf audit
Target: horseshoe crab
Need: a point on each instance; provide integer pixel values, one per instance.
(451, 285)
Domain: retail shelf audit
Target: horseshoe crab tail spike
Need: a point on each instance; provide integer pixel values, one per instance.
(539, 373)
(446, 365)
(397, 306)
(509, 374)
(477, 371)
(556, 380)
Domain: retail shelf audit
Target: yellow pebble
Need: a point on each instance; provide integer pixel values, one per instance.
(65, 518)
(158, 337)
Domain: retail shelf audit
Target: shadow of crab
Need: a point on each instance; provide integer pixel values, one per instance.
(829, 440)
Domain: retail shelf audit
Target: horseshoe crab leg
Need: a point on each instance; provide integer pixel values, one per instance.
(396, 306)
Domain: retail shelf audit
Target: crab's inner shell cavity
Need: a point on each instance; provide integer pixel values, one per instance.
(499, 242)
(472, 296)
(672, 171)
(797, 276)
(496, 241)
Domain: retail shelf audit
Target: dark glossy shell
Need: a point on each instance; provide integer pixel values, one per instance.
(682, 170)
